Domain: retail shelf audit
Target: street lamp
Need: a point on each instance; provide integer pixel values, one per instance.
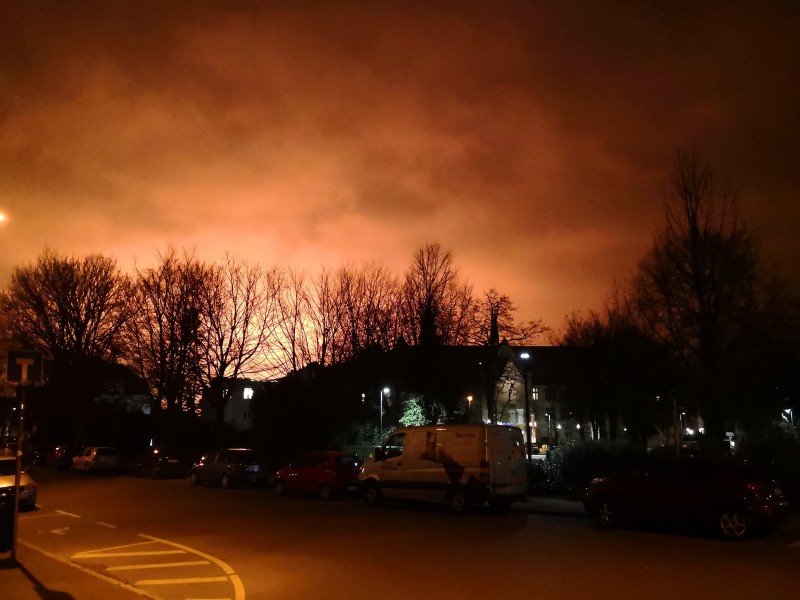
(525, 356)
(789, 412)
(383, 391)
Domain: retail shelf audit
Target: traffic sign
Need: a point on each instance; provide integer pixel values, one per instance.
(24, 366)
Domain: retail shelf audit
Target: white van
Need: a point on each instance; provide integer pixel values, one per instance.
(459, 464)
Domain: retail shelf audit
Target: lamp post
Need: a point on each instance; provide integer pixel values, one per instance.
(790, 412)
(525, 356)
(383, 391)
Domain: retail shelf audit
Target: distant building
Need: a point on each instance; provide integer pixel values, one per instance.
(237, 413)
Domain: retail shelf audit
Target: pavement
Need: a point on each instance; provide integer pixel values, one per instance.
(39, 575)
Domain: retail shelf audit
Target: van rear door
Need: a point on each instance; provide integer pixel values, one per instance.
(506, 456)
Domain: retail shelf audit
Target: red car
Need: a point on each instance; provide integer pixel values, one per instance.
(728, 496)
(326, 473)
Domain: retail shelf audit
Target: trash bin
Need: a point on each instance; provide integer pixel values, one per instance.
(6, 520)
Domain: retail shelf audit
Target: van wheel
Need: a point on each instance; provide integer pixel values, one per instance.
(225, 481)
(325, 492)
(372, 494)
(193, 478)
(460, 501)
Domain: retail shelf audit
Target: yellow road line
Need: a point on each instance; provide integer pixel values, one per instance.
(88, 571)
(159, 565)
(68, 514)
(118, 554)
(184, 580)
(236, 581)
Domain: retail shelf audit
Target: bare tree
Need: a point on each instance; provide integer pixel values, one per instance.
(698, 289)
(438, 307)
(240, 320)
(164, 335)
(325, 316)
(495, 322)
(72, 310)
(293, 335)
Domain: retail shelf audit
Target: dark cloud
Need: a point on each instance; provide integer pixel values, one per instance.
(534, 139)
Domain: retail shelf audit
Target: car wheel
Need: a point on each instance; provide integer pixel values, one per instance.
(607, 514)
(86, 469)
(193, 478)
(372, 494)
(460, 501)
(280, 488)
(325, 492)
(225, 481)
(735, 523)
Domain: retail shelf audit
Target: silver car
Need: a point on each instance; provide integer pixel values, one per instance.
(96, 458)
(8, 471)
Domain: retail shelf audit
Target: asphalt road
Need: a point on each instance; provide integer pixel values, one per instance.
(168, 539)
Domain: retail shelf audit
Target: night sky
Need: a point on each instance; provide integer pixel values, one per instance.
(533, 139)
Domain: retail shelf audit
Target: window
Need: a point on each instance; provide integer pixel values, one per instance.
(394, 445)
(247, 394)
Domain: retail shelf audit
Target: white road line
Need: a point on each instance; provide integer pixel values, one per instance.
(238, 586)
(68, 514)
(109, 525)
(117, 547)
(118, 554)
(105, 578)
(184, 580)
(159, 565)
(41, 516)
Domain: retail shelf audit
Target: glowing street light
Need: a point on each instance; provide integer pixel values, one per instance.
(386, 392)
(525, 356)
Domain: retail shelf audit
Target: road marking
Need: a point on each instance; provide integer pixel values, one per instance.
(185, 580)
(105, 578)
(120, 547)
(118, 554)
(238, 586)
(68, 514)
(62, 531)
(159, 565)
(109, 525)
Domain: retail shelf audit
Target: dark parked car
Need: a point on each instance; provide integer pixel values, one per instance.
(165, 461)
(228, 467)
(723, 495)
(326, 473)
(61, 457)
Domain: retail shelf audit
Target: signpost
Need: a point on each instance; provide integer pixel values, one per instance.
(23, 367)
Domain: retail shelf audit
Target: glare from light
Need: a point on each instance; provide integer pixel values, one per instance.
(524, 356)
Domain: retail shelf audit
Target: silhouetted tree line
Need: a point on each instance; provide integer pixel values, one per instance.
(190, 327)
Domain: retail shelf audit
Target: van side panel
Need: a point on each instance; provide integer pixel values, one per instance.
(486, 459)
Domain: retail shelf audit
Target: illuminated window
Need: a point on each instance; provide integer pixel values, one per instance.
(248, 393)
(535, 394)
